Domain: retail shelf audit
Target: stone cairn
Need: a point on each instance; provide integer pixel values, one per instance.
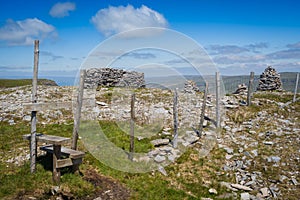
(190, 87)
(242, 89)
(110, 77)
(269, 80)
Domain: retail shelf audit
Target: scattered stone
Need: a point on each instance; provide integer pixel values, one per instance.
(162, 170)
(228, 150)
(213, 191)
(275, 159)
(245, 196)
(268, 143)
(159, 158)
(241, 187)
(159, 142)
(294, 181)
(264, 192)
(100, 103)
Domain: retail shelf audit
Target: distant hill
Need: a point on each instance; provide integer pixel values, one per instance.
(230, 82)
(6, 83)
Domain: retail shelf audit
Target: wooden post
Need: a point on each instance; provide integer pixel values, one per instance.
(203, 109)
(296, 88)
(218, 116)
(78, 109)
(56, 156)
(33, 143)
(132, 117)
(250, 86)
(175, 117)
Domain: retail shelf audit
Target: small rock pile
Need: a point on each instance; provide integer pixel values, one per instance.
(110, 77)
(190, 87)
(269, 80)
(242, 89)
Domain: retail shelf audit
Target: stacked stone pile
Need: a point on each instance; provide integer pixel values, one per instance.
(190, 87)
(110, 77)
(242, 89)
(269, 80)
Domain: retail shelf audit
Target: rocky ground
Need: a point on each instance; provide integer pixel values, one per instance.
(261, 143)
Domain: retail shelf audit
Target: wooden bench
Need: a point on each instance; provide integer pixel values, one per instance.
(71, 157)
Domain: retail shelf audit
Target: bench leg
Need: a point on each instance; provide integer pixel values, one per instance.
(56, 156)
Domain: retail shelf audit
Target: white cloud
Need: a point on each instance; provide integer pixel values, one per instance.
(62, 9)
(117, 19)
(25, 32)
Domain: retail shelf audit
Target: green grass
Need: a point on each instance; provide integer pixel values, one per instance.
(7, 83)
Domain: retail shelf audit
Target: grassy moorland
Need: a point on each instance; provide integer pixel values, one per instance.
(190, 177)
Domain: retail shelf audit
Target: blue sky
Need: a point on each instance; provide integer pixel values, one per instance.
(240, 36)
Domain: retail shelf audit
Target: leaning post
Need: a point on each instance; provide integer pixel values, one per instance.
(250, 86)
(33, 143)
(203, 109)
(78, 109)
(132, 118)
(296, 88)
(175, 118)
(218, 114)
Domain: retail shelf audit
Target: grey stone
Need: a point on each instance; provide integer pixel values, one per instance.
(159, 158)
(264, 192)
(241, 187)
(213, 191)
(294, 181)
(162, 170)
(228, 150)
(159, 142)
(268, 143)
(245, 196)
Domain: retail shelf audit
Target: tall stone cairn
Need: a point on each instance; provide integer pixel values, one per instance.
(110, 77)
(269, 80)
(190, 87)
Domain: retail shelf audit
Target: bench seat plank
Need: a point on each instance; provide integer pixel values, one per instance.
(74, 154)
(52, 139)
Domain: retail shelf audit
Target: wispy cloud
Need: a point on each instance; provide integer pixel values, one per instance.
(254, 47)
(26, 31)
(114, 20)
(143, 56)
(51, 55)
(285, 54)
(294, 46)
(226, 49)
(60, 10)
(233, 59)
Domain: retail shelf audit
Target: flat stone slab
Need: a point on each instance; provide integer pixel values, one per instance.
(160, 142)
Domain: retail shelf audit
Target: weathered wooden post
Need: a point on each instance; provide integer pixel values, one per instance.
(250, 86)
(132, 117)
(175, 117)
(203, 109)
(218, 114)
(78, 109)
(296, 88)
(33, 143)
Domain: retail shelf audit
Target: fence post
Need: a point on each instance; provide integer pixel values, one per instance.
(175, 117)
(218, 116)
(296, 88)
(132, 117)
(250, 86)
(33, 143)
(203, 109)
(78, 109)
